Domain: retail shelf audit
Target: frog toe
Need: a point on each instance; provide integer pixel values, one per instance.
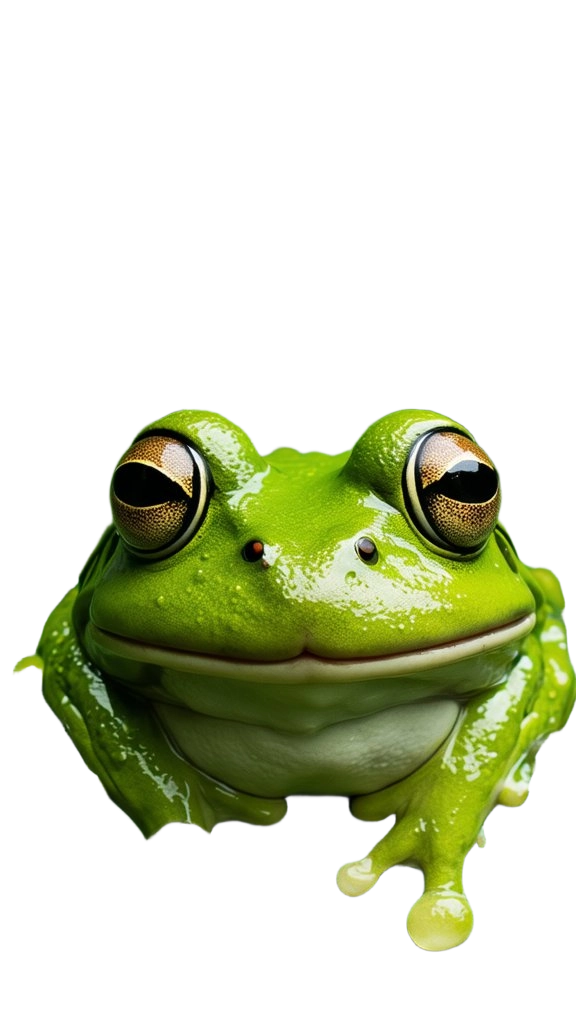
(357, 877)
(31, 667)
(440, 919)
(178, 834)
(516, 785)
(376, 806)
(232, 805)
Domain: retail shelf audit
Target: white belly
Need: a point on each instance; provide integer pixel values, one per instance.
(355, 756)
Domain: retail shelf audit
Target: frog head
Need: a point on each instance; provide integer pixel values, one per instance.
(385, 561)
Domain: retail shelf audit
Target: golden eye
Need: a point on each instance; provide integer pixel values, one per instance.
(452, 491)
(159, 495)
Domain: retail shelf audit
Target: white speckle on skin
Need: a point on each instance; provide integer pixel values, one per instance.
(560, 675)
(553, 634)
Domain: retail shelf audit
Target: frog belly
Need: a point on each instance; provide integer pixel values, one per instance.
(355, 756)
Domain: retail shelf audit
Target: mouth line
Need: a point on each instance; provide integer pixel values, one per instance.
(307, 667)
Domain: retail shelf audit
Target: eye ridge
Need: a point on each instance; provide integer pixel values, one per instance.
(143, 486)
(469, 481)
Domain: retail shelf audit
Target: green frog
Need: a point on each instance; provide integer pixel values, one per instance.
(358, 624)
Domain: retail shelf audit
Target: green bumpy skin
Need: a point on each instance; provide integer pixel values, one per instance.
(357, 624)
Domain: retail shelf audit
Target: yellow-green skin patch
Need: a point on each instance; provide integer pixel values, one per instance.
(309, 639)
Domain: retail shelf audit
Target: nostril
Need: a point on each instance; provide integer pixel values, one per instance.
(253, 551)
(367, 550)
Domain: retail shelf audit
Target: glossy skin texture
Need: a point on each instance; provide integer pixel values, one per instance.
(294, 625)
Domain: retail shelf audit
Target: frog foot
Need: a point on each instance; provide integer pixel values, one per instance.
(442, 917)
(433, 842)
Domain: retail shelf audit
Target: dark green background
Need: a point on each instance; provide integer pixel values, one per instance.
(302, 219)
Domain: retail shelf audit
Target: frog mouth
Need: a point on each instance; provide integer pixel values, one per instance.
(307, 667)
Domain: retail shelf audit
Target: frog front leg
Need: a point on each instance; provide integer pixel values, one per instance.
(121, 741)
(488, 759)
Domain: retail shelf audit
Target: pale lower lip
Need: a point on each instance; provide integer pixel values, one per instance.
(307, 668)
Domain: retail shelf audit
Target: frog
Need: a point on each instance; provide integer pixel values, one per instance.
(360, 625)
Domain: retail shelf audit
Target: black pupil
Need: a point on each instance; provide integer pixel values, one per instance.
(468, 481)
(142, 486)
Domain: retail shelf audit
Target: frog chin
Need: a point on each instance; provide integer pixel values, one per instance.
(106, 648)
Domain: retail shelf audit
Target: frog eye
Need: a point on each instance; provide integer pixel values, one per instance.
(452, 491)
(159, 495)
